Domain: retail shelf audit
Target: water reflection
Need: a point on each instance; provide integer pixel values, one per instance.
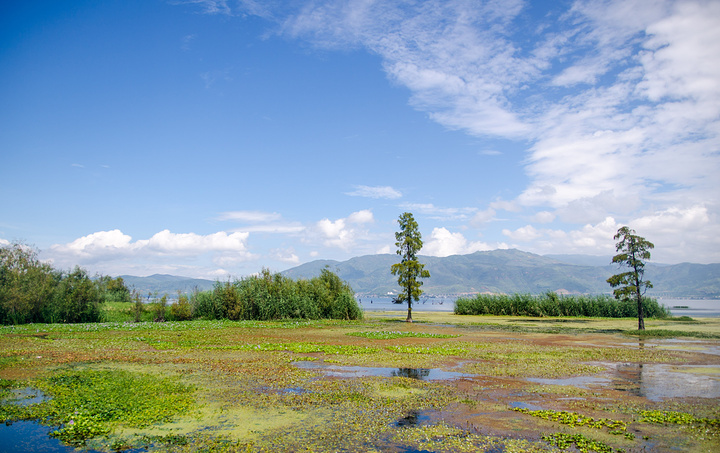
(413, 418)
(659, 382)
(412, 373)
(425, 374)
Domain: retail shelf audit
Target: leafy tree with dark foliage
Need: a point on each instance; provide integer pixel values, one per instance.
(631, 284)
(409, 270)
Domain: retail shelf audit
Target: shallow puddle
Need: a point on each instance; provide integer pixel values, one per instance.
(25, 397)
(423, 374)
(582, 382)
(659, 382)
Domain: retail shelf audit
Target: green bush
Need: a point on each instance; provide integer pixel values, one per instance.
(268, 296)
(552, 304)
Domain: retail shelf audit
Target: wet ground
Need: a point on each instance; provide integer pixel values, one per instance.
(461, 384)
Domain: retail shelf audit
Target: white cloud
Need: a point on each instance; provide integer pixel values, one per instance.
(285, 255)
(261, 222)
(439, 213)
(618, 100)
(4, 242)
(444, 243)
(344, 233)
(375, 192)
(523, 234)
(482, 217)
(544, 217)
(111, 249)
(364, 216)
(249, 216)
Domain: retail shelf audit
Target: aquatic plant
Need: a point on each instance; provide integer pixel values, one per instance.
(573, 419)
(676, 418)
(582, 443)
(86, 402)
(385, 335)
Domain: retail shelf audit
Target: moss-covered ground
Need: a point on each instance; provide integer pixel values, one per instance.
(442, 383)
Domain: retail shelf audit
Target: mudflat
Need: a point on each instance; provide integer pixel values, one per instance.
(442, 383)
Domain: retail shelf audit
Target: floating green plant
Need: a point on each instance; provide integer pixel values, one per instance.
(582, 443)
(88, 402)
(676, 418)
(301, 347)
(432, 350)
(386, 335)
(573, 419)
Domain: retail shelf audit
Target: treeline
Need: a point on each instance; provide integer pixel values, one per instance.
(34, 292)
(552, 304)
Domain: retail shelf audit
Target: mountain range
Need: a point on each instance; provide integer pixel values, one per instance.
(496, 271)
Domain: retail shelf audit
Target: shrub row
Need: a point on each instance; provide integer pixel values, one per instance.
(552, 304)
(272, 296)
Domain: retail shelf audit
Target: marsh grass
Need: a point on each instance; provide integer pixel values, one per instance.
(552, 304)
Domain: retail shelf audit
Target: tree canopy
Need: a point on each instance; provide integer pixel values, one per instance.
(634, 251)
(409, 270)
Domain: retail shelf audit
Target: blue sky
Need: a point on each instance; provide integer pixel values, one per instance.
(212, 138)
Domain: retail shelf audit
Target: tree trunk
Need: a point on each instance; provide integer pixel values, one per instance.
(409, 300)
(641, 317)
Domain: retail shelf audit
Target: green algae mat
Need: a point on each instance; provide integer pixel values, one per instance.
(444, 383)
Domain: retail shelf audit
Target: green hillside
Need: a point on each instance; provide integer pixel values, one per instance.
(514, 271)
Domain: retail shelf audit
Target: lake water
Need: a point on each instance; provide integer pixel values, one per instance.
(696, 308)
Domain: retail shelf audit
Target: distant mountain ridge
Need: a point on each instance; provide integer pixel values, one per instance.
(514, 271)
(496, 271)
(165, 284)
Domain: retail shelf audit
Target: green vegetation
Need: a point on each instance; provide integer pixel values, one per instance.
(573, 419)
(392, 335)
(631, 285)
(87, 402)
(409, 270)
(438, 385)
(32, 291)
(678, 418)
(272, 296)
(552, 304)
(584, 444)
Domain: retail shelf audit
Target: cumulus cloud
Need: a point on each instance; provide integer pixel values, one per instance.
(163, 248)
(344, 233)
(375, 192)
(444, 243)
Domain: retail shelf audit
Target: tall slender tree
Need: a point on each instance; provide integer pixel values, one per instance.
(631, 284)
(409, 269)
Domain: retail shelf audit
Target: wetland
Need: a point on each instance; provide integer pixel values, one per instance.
(443, 383)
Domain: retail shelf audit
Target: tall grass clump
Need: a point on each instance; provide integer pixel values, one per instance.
(552, 304)
(270, 296)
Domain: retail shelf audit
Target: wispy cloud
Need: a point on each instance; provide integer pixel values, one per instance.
(375, 192)
(439, 213)
(617, 101)
(249, 216)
